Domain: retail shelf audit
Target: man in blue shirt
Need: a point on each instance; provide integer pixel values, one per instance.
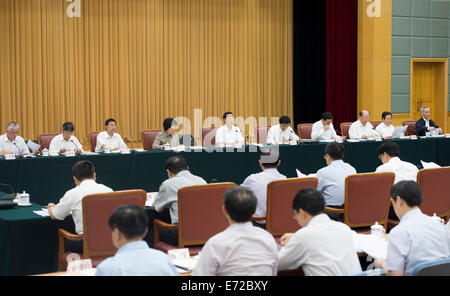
(133, 258)
(418, 238)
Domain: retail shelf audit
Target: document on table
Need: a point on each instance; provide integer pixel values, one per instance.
(43, 212)
(370, 244)
(186, 264)
(33, 146)
(150, 199)
(429, 165)
(301, 175)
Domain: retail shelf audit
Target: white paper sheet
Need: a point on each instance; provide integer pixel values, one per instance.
(150, 199)
(301, 175)
(43, 212)
(429, 165)
(370, 244)
(186, 263)
(33, 146)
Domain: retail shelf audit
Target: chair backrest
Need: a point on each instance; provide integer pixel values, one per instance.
(367, 199)
(209, 136)
(93, 140)
(345, 126)
(304, 130)
(45, 139)
(439, 267)
(280, 194)
(411, 130)
(200, 213)
(375, 124)
(148, 137)
(435, 184)
(261, 134)
(96, 211)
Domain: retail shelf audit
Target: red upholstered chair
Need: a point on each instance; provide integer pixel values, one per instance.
(261, 134)
(411, 130)
(45, 139)
(345, 126)
(304, 130)
(97, 241)
(375, 124)
(280, 194)
(209, 136)
(200, 217)
(148, 137)
(93, 140)
(367, 200)
(435, 184)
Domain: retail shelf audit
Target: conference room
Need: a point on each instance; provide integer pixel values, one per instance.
(210, 137)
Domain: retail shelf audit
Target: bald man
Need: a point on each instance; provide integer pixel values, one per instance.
(362, 128)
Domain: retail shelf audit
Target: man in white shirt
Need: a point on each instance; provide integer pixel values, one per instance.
(83, 173)
(109, 139)
(417, 238)
(65, 141)
(282, 133)
(228, 134)
(241, 249)
(362, 128)
(323, 129)
(322, 247)
(257, 183)
(389, 154)
(11, 142)
(386, 129)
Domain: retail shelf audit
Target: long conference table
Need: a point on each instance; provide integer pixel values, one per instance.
(28, 242)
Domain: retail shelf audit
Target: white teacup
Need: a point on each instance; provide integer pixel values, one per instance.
(377, 230)
(24, 199)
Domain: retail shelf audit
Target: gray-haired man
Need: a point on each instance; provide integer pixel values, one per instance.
(11, 142)
(425, 124)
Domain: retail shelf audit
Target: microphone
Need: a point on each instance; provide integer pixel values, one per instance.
(128, 142)
(78, 152)
(20, 150)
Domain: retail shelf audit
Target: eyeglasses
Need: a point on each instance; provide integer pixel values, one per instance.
(380, 156)
(325, 157)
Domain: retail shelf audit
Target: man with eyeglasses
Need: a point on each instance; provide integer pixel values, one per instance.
(323, 129)
(11, 142)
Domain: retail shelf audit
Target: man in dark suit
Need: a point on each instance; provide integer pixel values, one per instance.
(425, 124)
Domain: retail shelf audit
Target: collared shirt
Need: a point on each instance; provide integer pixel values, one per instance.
(225, 136)
(357, 130)
(163, 138)
(332, 181)
(58, 142)
(241, 249)
(323, 248)
(257, 183)
(385, 130)
(427, 122)
(404, 171)
(137, 259)
(18, 146)
(276, 135)
(71, 202)
(417, 238)
(167, 196)
(111, 142)
(319, 134)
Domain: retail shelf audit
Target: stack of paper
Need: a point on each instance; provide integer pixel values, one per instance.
(370, 244)
(150, 199)
(186, 263)
(43, 212)
(429, 165)
(301, 175)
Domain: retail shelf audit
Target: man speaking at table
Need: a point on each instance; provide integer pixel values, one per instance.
(11, 142)
(362, 128)
(425, 125)
(109, 139)
(65, 141)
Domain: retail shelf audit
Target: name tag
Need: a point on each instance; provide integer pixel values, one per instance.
(70, 153)
(10, 156)
(447, 135)
(414, 137)
(125, 151)
(378, 139)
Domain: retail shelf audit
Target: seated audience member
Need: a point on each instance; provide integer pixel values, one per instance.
(362, 128)
(386, 129)
(332, 177)
(84, 176)
(11, 142)
(167, 136)
(109, 139)
(228, 134)
(418, 237)
(167, 197)
(389, 154)
(282, 133)
(241, 249)
(321, 247)
(257, 183)
(425, 125)
(128, 224)
(65, 141)
(323, 129)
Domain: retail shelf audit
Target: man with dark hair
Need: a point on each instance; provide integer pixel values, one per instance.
(425, 126)
(228, 134)
(386, 129)
(128, 224)
(65, 141)
(362, 128)
(282, 133)
(332, 177)
(257, 183)
(109, 139)
(418, 238)
(389, 154)
(167, 136)
(167, 197)
(321, 247)
(323, 129)
(83, 173)
(241, 249)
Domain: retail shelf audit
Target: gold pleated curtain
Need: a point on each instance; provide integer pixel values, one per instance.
(140, 61)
